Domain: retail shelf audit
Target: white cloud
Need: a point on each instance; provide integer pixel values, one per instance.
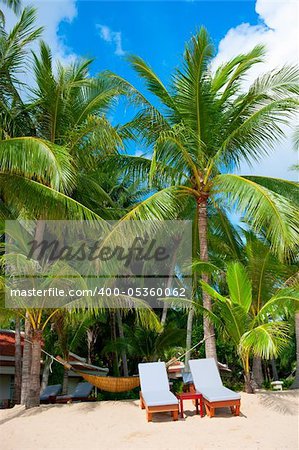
(49, 15)
(279, 31)
(113, 37)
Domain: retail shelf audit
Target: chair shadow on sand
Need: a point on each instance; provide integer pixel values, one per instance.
(223, 413)
(285, 402)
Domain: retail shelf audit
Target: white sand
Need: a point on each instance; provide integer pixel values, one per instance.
(268, 421)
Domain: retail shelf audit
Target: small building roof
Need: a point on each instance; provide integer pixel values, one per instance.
(7, 342)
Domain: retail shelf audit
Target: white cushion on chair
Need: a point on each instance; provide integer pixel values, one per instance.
(159, 398)
(153, 377)
(205, 373)
(207, 381)
(219, 394)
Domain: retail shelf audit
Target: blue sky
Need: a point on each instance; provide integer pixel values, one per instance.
(157, 32)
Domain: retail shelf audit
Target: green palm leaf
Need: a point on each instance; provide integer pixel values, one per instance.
(239, 285)
(263, 209)
(42, 201)
(35, 158)
(266, 340)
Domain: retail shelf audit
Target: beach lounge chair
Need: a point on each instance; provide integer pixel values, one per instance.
(207, 381)
(155, 395)
(80, 394)
(50, 393)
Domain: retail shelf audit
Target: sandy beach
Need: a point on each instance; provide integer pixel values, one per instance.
(268, 420)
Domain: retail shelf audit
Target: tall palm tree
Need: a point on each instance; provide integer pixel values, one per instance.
(254, 332)
(15, 46)
(49, 170)
(295, 384)
(267, 273)
(204, 127)
(50, 146)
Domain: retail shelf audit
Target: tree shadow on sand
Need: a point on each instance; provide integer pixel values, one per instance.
(20, 411)
(285, 402)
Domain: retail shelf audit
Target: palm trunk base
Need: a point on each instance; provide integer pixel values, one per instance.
(33, 398)
(257, 372)
(26, 366)
(248, 385)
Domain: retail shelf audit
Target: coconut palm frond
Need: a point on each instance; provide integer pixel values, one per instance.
(41, 160)
(266, 340)
(263, 208)
(239, 285)
(42, 201)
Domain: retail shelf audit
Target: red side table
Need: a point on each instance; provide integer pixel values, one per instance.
(191, 396)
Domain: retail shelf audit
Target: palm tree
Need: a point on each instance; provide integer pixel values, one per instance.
(71, 329)
(148, 344)
(254, 332)
(15, 45)
(69, 131)
(204, 127)
(267, 273)
(293, 311)
(18, 362)
(48, 160)
(295, 385)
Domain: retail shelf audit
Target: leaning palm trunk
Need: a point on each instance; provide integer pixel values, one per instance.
(209, 332)
(27, 355)
(33, 398)
(295, 384)
(18, 362)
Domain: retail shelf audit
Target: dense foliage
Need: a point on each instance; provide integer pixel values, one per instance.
(61, 158)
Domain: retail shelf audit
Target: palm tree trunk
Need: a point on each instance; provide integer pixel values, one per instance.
(34, 390)
(247, 378)
(113, 336)
(169, 281)
(257, 371)
(89, 336)
(121, 335)
(274, 370)
(18, 362)
(248, 385)
(295, 384)
(46, 373)
(27, 356)
(65, 382)
(209, 332)
(189, 335)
